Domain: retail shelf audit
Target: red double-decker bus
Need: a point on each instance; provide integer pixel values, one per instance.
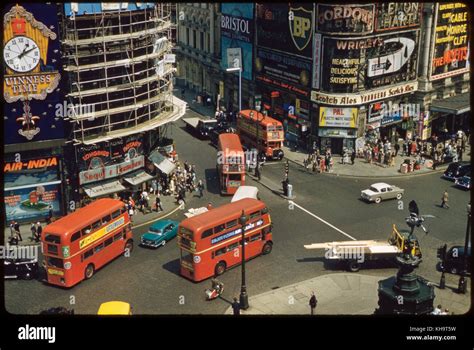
(75, 246)
(230, 163)
(211, 242)
(261, 132)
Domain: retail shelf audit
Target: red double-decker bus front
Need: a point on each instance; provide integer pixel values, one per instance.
(210, 243)
(75, 246)
(230, 163)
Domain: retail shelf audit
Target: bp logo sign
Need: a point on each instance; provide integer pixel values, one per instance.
(300, 27)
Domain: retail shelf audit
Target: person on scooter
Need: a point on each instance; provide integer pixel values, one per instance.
(217, 285)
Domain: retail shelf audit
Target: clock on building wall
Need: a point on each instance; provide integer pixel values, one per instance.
(21, 54)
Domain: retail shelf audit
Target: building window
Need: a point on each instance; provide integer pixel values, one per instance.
(194, 38)
(201, 39)
(187, 36)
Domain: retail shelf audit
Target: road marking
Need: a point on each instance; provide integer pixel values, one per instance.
(160, 218)
(322, 220)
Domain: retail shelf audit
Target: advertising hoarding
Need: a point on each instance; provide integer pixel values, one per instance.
(283, 71)
(338, 117)
(450, 52)
(368, 62)
(32, 203)
(286, 27)
(30, 187)
(363, 97)
(237, 33)
(107, 153)
(32, 77)
(345, 19)
(398, 15)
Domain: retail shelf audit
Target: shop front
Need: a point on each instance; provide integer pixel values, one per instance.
(450, 115)
(337, 139)
(394, 119)
(107, 168)
(32, 188)
(337, 128)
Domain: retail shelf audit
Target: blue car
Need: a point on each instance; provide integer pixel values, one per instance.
(159, 233)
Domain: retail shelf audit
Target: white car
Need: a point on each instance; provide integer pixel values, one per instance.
(245, 192)
(381, 191)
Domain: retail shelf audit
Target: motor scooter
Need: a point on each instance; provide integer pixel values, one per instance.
(214, 293)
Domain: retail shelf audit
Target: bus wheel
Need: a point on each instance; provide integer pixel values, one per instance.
(89, 271)
(267, 248)
(354, 266)
(220, 268)
(128, 247)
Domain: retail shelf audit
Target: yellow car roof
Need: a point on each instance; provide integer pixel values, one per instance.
(114, 308)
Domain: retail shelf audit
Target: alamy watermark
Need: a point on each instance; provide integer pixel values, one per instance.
(397, 110)
(30, 252)
(346, 253)
(250, 157)
(69, 110)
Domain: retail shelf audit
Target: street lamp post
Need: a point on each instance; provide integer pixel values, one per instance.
(244, 298)
(462, 286)
(238, 69)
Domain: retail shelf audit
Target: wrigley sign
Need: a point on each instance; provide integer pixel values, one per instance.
(363, 97)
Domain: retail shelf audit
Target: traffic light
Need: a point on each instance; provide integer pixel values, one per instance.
(287, 167)
(441, 254)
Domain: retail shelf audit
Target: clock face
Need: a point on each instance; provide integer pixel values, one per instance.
(21, 54)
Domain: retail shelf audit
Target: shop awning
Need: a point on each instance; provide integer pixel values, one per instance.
(103, 188)
(137, 177)
(452, 105)
(161, 162)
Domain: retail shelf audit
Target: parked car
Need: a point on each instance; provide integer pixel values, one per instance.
(452, 259)
(159, 233)
(381, 191)
(21, 268)
(457, 170)
(464, 182)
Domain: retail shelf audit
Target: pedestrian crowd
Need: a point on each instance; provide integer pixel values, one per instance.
(179, 182)
(382, 152)
(15, 234)
(318, 163)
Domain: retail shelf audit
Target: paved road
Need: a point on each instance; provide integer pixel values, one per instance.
(149, 279)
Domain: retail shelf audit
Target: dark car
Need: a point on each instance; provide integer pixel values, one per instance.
(204, 127)
(452, 260)
(464, 182)
(457, 170)
(21, 268)
(221, 127)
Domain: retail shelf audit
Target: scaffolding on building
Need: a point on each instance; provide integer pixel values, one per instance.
(119, 80)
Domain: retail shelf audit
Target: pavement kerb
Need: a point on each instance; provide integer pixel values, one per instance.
(158, 218)
(275, 191)
(441, 170)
